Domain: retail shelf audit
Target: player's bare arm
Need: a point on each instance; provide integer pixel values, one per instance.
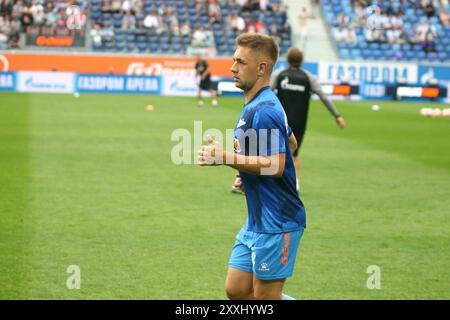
(292, 142)
(213, 154)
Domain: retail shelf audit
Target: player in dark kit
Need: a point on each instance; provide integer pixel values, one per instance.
(294, 88)
(202, 70)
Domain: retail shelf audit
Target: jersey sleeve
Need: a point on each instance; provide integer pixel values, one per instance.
(271, 130)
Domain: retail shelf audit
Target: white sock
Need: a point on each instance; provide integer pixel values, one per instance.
(286, 297)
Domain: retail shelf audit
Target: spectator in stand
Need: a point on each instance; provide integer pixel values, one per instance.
(37, 10)
(17, 10)
(444, 17)
(340, 34)
(152, 21)
(385, 22)
(426, 35)
(128, 21)
(429, 45)
(3, 41)
(107, 34)
(343, 20)
(254, 5)
(244, 5)
(61, 22)
(236, 23)
(359, 16)
(397, 20)
(424, 29)
(214, 13)
(351, 36)
(27, 17)
(138, 8)
(393, 35)
(51, 18)
(314, 4)
(374, 35)
(273, 29)
(106, 6)
(428, 8)
(250, 26)
(286, 30)
(126, 6)
(5, 25)
(14, 34)
(3, 33)
(199, 37)
(162, 10)
(171, 19)
(185, 30)
(303, 19)
(95, 35)
(6, 7)
(233, 6)
(116, 6)
(201, 8)
(260, 27)
(174, 29)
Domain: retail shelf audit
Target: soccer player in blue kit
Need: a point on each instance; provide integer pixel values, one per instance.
(264, 253)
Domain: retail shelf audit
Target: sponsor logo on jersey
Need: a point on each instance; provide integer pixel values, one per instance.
(285, 85)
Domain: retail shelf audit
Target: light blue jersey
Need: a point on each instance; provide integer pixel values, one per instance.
(273, 203)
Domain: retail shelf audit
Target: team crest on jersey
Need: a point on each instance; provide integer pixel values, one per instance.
(236, 145)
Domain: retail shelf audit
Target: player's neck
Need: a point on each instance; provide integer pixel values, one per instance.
(249, 95)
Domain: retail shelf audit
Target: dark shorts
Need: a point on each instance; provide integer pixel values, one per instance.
(206, 84)
(299, 132)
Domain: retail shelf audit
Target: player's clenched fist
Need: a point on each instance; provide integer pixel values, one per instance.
(211, 154)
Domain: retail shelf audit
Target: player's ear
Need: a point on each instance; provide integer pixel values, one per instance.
(262, 68)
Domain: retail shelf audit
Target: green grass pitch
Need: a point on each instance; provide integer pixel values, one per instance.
(90, 182)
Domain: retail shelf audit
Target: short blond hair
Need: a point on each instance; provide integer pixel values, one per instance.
(261, 43)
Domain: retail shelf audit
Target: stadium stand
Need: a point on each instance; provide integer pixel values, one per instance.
(176, 26)
(39, 18)
(391, 30)
(150, 26)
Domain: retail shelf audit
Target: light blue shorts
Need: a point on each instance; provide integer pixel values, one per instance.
(268, 256)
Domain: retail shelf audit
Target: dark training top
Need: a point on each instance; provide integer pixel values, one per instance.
(201, 67)
(294, 87)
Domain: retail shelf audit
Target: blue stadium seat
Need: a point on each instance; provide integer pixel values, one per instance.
(344, 54)
(153, 47)
(142, 47)
(421, 56)
(366, 54)
(374, 46)
(385, 46)
(377, 54)
(442, 57)
(410, 55)
(432, 57)
(389, 54)
(176, 48)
